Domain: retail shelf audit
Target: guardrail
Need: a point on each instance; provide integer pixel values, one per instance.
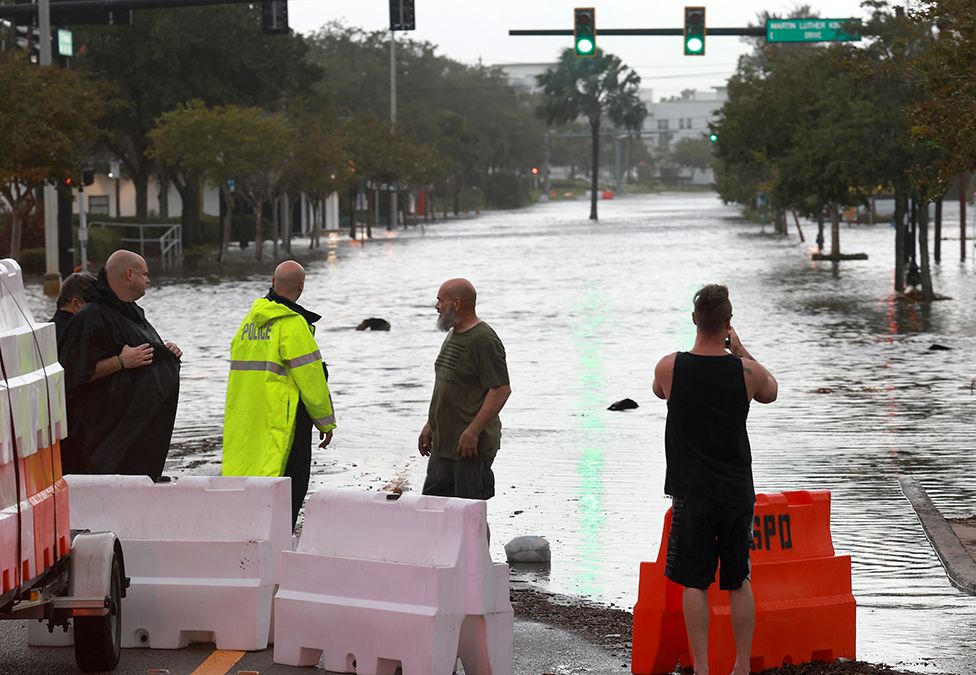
(170, 242)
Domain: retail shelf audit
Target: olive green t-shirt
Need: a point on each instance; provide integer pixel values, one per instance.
(469, 364)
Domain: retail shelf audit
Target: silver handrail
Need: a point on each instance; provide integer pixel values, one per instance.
(169, 243)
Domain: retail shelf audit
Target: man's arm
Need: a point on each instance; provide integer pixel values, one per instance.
(663, 373)
(764, 387)
(425, 440)
(760, 383)
(494, 402)
(302, 358)
(127, 359)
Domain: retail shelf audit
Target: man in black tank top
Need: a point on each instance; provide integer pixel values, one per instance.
(709, 470)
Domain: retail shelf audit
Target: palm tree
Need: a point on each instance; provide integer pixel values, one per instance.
(590, 87)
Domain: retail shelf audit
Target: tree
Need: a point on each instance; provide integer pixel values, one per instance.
(591, 88)
(48, 120)
(169, 57)
(945, 118)
(478, 124)
(693, 153)
(227, 145)
(322, 166)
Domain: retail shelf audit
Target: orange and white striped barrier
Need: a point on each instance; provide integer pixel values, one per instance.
(34, 530)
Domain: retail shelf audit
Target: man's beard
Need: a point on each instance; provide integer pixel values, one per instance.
(447, 319)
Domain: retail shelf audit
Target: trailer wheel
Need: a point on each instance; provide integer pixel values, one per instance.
(98, 639)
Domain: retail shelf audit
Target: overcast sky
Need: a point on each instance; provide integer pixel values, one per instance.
(473, 30)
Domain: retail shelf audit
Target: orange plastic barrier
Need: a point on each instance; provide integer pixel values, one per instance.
(805, 610)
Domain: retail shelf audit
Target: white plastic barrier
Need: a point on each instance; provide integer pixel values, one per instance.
(377, 583)
(202, 553)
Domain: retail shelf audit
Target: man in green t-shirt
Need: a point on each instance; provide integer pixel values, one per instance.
(463, 432)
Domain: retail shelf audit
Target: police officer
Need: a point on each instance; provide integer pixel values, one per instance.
(277, 389)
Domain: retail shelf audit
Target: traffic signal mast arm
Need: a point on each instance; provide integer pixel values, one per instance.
(749, 31)
(30, 11)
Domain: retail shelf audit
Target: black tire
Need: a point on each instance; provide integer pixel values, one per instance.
(98, 639)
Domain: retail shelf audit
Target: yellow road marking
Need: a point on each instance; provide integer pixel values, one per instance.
(218, 663)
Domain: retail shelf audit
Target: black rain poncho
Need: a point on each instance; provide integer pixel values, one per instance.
(121, 423)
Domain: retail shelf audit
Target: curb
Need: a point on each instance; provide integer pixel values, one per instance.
(959, 565)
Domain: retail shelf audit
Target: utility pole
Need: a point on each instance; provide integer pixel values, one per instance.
(393, 117)
(546, 168)
(963, 184)
(52, 272)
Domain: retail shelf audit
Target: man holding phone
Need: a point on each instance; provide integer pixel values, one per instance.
(709, 469)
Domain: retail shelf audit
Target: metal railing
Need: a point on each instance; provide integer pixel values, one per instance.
(169, 243)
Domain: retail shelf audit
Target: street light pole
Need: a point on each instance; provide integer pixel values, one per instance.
(82, 228)
(393, 116)
(52, 273)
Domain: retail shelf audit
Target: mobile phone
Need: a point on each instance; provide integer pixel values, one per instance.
(728, 342)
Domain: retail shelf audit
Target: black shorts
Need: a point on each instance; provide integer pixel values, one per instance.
(703, 533)
(465, 478)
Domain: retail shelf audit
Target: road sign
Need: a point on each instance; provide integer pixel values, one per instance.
(65, 43)
(813, 30)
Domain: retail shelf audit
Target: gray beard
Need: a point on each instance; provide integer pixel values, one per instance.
(446, 320)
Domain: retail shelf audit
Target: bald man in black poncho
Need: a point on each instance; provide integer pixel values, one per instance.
(122, 381)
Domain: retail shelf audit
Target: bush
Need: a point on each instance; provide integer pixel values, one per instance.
(102, 242)
(33, 260)
(506, 190)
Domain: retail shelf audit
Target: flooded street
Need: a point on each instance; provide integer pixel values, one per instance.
(585, 311)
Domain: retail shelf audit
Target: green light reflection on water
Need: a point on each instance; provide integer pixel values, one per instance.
(590, 507)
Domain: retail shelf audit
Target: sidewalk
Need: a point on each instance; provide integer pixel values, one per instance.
(954, 541)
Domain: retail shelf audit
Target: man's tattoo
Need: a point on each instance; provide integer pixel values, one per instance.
(748, 371)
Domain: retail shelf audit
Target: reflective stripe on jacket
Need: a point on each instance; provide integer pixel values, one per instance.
(274, 364)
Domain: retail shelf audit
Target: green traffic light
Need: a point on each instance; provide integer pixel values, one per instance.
(584, 31)
(694, 32)
(713, 138)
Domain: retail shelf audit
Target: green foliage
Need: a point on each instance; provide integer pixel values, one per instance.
(102, 242)
(507, 191)
(456, 124)
(169, 57)
(32, 260)
(48, 122)
(693, 153)
(945, 118)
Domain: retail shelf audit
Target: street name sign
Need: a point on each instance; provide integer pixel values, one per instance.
(65, 43)
(813, 30)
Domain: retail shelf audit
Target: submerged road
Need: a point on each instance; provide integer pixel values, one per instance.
(585, 310)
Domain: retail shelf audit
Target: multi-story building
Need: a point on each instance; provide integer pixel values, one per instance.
(685, 116)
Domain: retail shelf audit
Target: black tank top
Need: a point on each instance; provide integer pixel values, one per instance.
(705, 439)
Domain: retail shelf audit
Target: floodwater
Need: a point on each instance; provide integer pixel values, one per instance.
(585, 311)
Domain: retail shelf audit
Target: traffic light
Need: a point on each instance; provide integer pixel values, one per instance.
(584, 31)
(28, 38)
(402, 15)
(713, 137)
(88, 175)
(535, 171)
(694, 31)
(274, 17)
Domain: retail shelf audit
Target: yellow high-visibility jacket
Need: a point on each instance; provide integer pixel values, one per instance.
(275, 362)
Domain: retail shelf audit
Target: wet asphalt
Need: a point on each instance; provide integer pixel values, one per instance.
(538, 649)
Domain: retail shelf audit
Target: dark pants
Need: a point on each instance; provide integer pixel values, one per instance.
(299, 464)
(464, 478)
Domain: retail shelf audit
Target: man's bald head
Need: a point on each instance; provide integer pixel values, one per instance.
(289, 280)
(462, 289)
(456, 299)
(127, 275)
